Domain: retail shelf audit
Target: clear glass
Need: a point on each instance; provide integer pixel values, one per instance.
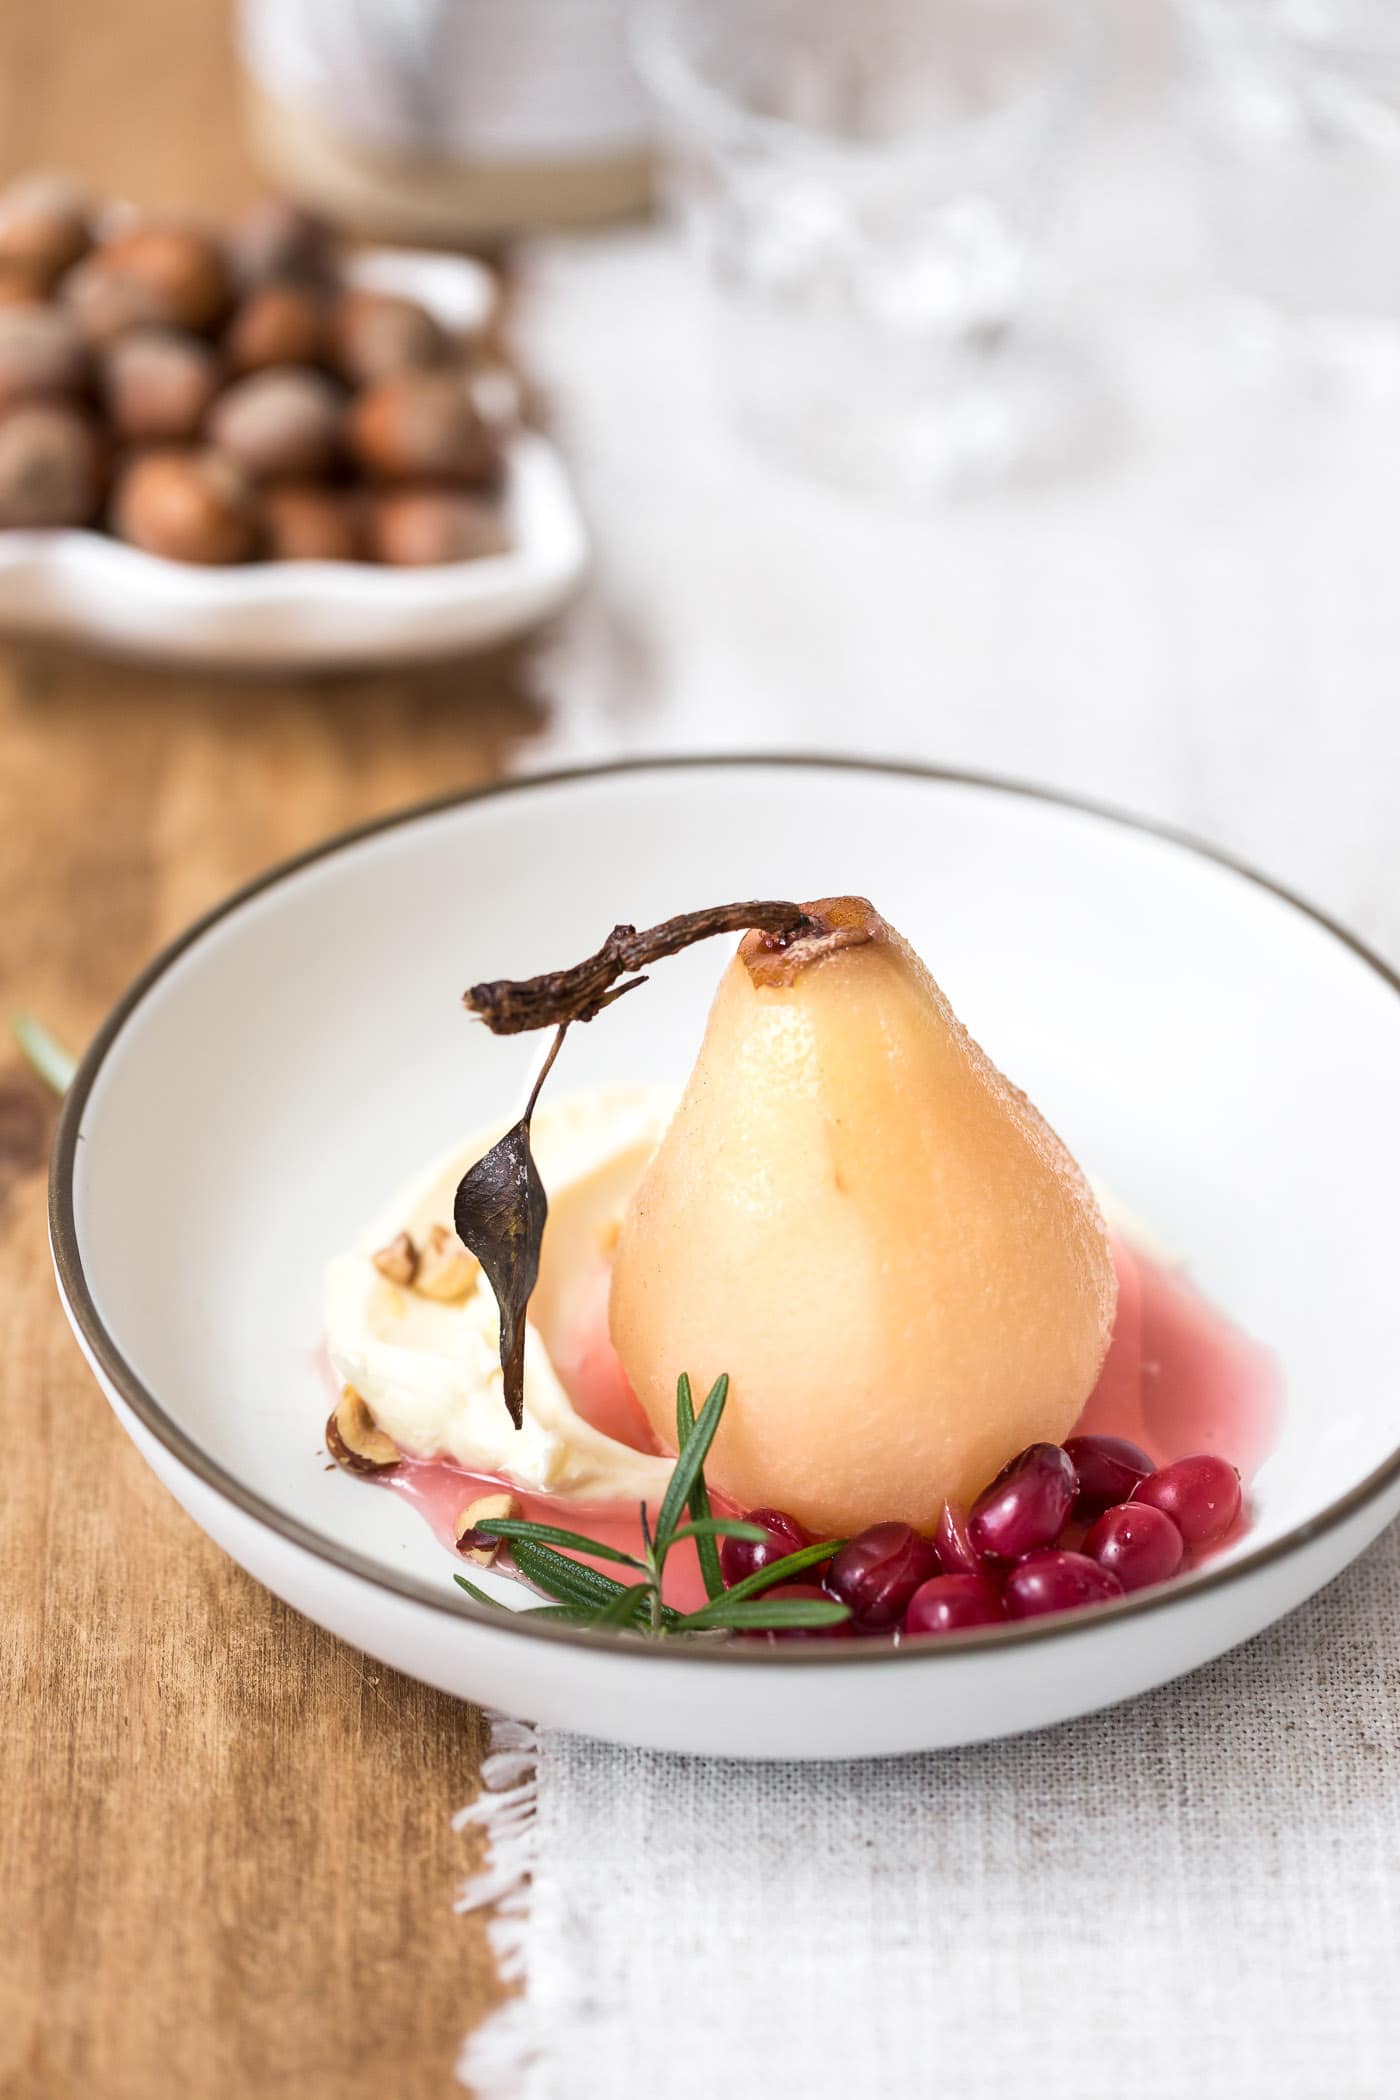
(868, 183)
(1297, 109)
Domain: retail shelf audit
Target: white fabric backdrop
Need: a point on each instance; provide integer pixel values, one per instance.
(1205, 627)
(1197, 1894)
(1192, 1897)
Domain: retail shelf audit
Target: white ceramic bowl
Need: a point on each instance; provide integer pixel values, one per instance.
(1217, 1053)
(88, 588)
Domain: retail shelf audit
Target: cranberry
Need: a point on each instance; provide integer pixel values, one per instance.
(956, 1553)
(878, 1571)
(1025, 1506)
(793, 1590)
(1109, 1468)
(1201, 1496)
(950, 1602)
(1050, 1581)
(741, 1557)
(1138, 1543)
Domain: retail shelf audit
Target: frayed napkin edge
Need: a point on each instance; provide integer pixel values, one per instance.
(494, 2060)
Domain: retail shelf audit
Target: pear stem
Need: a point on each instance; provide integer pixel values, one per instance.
(513, 1006)
(500, 1207)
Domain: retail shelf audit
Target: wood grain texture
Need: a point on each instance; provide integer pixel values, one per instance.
(226, 1866)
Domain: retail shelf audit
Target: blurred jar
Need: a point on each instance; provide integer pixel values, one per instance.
(448, 119)
(868, 187)
(1296, 104)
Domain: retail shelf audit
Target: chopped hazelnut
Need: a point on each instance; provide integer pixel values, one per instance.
(355, 1440)
(399, 1260)
(445, 1269)
(487, 1509)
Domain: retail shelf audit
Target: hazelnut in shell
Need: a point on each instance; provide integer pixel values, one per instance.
(104, 304)
(415, 528)
(180, 272)
(19, 287)
(43, 227)
(157, 384)
(423, 426)
(304, 523)
(51, 466)
(42, 355)
(276, 324)
(377, 334)
(189, 506)
(276, 242)
(282, 424)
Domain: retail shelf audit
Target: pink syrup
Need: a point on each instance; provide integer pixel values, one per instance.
(588, 1365)
(440, 1490)
(1178, 1378)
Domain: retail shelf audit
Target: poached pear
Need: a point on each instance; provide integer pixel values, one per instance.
(853, 1213)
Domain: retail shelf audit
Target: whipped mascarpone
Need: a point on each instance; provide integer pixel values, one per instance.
(431, 1372)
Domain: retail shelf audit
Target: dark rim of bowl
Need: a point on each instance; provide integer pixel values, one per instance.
(452, 1602)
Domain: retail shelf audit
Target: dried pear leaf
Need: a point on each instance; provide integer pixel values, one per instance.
(500, 1214)
(500, 1211)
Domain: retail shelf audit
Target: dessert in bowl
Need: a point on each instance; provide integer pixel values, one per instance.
(933, 1394)
(1214, 1055)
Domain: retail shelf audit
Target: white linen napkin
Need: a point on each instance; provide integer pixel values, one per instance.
(1195, 1896)
(1192, 1897)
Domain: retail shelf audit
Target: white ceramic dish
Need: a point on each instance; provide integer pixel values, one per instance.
(1221, 1056)
(87, 588)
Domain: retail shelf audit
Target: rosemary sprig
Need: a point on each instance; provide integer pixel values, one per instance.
(551, 1535)
(798, 1563)
(690, 1459)
(706, 1548)
(43, 1052)
(585, 1596)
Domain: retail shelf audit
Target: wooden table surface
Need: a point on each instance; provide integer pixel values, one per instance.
(226, 1864)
